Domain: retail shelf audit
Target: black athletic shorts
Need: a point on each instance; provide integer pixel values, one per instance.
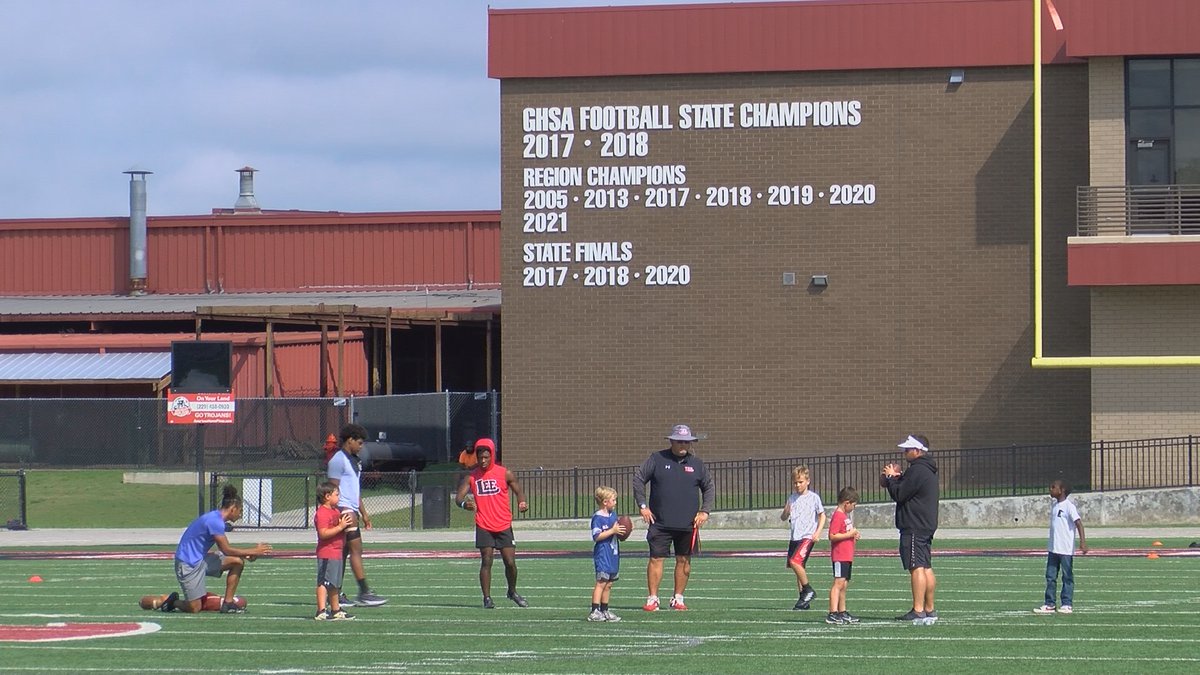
(916, 550)
(841, 570)
(661, 540)
(488, 539)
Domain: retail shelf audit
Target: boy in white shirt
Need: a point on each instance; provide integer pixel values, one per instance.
(806, 514)
(1064, 521)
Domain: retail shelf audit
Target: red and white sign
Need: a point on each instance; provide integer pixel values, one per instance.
(200, 408)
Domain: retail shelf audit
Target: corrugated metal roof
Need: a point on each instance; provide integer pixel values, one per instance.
(1132, 27)
(124, 367)
(161, 306)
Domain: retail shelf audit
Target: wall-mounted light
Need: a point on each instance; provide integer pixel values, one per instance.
(957, 76)
(819, 280)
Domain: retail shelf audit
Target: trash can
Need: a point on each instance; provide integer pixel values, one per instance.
(435, 507)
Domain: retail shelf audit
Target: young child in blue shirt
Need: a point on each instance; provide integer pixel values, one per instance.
(606, 552)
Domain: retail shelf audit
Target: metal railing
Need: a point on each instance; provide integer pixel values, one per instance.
(963, 473)
(1122, 210)
(412, 499)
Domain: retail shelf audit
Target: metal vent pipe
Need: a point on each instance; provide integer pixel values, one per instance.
(246, 200)
(137, 230)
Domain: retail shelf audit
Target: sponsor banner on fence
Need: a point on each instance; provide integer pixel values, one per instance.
(200, 408)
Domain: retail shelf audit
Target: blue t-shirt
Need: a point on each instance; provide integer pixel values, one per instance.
(345, 471)
(199, 537)
(606, 553)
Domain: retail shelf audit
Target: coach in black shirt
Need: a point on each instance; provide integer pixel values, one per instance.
(681, 495)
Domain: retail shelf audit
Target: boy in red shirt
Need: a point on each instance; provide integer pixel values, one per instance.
(842, 537)
(331, 525)
(489, 484)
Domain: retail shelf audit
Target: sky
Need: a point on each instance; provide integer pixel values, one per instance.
(364, 105)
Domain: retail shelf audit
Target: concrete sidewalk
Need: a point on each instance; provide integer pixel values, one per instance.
(525, 533)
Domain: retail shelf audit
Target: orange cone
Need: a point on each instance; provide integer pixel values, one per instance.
(35, 579)
(1153, 556)
(1157, 543)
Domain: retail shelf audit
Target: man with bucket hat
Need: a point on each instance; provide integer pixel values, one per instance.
(681, 496)
(915, 491)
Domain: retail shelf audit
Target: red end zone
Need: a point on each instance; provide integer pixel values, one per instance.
(54, 632)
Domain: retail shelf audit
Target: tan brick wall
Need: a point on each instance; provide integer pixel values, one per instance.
(925, 325)
(1106, 101)
(1132, 403)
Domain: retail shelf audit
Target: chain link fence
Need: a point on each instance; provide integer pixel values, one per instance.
(279, 434)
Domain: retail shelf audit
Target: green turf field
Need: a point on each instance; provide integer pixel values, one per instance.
(1133, 614)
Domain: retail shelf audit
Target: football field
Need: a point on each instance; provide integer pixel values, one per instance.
(1133, 614)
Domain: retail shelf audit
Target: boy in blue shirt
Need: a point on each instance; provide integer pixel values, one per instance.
(606, 552)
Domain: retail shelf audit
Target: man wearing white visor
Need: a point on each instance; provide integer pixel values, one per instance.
(915, 491)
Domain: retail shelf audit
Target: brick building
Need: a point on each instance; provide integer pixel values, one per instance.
(807, 227)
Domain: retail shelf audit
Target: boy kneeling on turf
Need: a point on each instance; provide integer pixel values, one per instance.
(842, 538)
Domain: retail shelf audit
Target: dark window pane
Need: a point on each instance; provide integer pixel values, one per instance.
(1149, 82)
(1187, 146)
(1187, 81)
(1149, 124)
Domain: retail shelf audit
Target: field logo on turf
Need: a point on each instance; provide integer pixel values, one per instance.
(57, 632)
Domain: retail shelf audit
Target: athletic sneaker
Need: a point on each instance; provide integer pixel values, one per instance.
(515, 597)
(847, 617)
(343, 601)
(169, 604)
(230, 608)
(323, 615)
(609, 616)
(834, 618)
(800, 604)
(651, 604)
(597, 615)
(1065, 609)
(807, 596)
(1044, 609)
(487, 602)
(931, 617)
(912, 615)
(341, 615)
(677, 603)
(368, 599)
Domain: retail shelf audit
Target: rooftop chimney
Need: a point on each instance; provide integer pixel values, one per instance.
(137, 230)
(246, 201)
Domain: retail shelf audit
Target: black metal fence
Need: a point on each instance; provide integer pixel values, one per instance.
(12, 500)
(422, 499)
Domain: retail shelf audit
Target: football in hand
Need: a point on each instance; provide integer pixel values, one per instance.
(627, 523)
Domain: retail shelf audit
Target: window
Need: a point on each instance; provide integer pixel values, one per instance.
(1162, 113)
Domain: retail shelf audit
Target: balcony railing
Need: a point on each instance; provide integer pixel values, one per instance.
(1122, 210)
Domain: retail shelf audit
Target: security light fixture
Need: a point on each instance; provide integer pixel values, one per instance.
(820, 280)
(957, 76)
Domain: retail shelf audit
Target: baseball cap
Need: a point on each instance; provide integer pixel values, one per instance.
(681, 432)
(914, 444)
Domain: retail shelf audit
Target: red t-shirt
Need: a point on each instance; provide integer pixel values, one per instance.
(330, 548)
(841, 551)
(493, 511)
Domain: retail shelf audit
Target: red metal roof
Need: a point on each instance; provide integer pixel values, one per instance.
(825, 35)
(245, 253)
(1133, 27)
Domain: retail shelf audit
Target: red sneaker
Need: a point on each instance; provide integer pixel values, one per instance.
(651, 604)
(677, 603)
